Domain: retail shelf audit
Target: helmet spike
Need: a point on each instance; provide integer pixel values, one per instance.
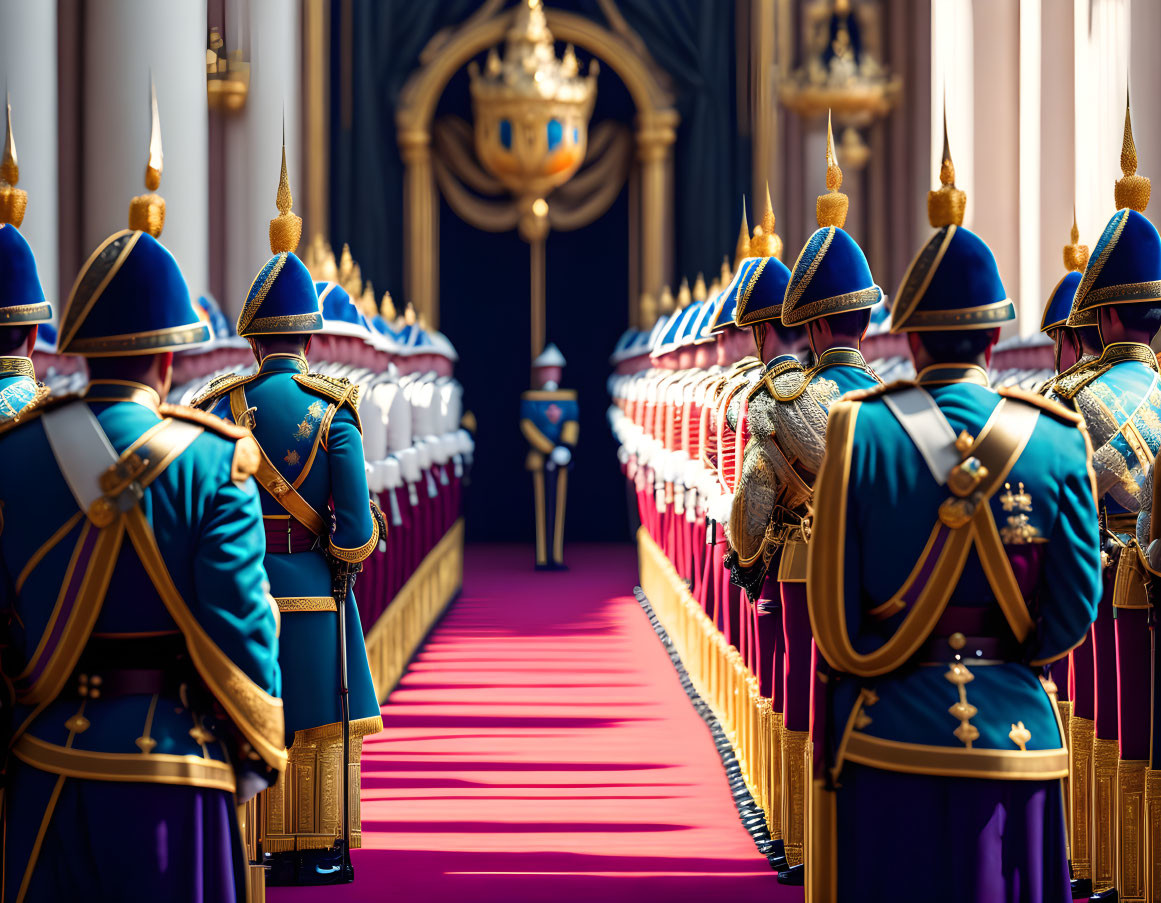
(13, 200)
(1075, 254)
(946, 205)
(831, 208)
(286, 228)
(147, 211)
(1131, 190)
(742, 248)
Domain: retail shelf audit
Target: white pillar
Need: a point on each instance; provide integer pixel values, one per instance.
(254, 145)
(28, 61)
(125, 40)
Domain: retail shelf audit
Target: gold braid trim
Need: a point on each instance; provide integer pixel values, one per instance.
(360, 727)
(356, 555)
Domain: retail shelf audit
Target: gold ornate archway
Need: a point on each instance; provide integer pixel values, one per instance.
(656, 130)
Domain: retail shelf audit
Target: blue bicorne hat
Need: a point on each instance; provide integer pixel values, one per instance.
(1059, 304)
(763, 288)
(831, 275)
(282, 297)
(953, 283)
(1125, 267)
(339, 313)
(22, 301)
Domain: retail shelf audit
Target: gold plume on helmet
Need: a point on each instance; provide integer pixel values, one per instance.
(766, 242)
(367, 304)
(742, 248)
(699, 291)
(684, 297)
(946, 205)
(831, 208)
(286, 228)
(387, 308)
(725, 274)
(1132, 190)
(13, 200)
(1075, 254)
(666, 303)
(147, 211)
(409, 314)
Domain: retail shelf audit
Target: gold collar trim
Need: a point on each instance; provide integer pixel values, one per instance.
(1118, 352)
(17, 366)
(942, 374)
(116, 390)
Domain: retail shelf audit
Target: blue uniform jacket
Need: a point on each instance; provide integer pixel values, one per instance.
(309, 430)
(548, 418)
(876, 514)
(183, 571)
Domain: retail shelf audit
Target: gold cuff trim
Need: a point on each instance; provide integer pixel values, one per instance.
(306, 603)
(360, 554)
(995, 764)
(154, 768)
(360, 727)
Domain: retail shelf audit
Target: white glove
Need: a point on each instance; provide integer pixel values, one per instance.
(561, 456)
(719, 508)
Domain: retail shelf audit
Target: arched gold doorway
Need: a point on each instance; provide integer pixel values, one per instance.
(656, 130)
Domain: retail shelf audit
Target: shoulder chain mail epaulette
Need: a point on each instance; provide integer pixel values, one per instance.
(216, 388)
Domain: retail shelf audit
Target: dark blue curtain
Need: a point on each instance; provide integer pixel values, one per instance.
(484, 277)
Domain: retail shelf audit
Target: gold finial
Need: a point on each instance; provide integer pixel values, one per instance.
(387, 308)
(699, 292)
(367, 304)
(1075, 254)
(771, 244)
(409, 314)
(831, 208)
(725, 274)
(1131, 190)
(286, 228)
(945, 206)
(147, 211)
(715, 287)
(13, 200)
(666, 301)
(742, 248)
(647, 306)
(683, 294)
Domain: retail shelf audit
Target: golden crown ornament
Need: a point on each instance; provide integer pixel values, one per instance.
(13, 200)
(531, 115)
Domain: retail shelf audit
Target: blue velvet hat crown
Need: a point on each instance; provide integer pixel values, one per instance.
(282, 297)
(130, 297)
(1125, 267)
(22, 299)
(1059, 304)
(831, 275)
(953, 283)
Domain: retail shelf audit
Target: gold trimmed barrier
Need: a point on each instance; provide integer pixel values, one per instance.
(400, 630)
(720, 676)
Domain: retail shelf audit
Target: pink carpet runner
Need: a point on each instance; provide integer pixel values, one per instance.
(541, 748)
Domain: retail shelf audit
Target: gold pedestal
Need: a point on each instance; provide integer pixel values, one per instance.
(1104, 805)
(1153, 835)
(1131, 830)
(304, 810)
(796, 780)
(1080, 742)
(774, 778)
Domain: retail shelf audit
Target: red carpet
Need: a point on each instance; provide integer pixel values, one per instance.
(541, 748)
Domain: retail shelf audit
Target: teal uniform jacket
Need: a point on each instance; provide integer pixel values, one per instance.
(203, 514)
(548, 418)
(18, 386)
(308, 429)
(909, 706)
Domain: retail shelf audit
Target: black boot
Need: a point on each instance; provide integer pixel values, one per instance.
(1081, 888)
(777, 856)
(1105, 896)
(795, 876)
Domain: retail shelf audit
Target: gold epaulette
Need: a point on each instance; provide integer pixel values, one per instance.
(1055, 408)
(1070, 382)
(211, 422)
(743, 366)
(548, 395)
(44, 401)
(787, 381)
(217, 387)
(337, 389)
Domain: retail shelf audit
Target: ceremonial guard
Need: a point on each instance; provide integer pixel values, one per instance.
(548, 421)
(141, 637)
(954, 553)
(22, 302)
(830, 292)
(319, 526)
(1118, 395)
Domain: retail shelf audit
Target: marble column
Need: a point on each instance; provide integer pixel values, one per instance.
(125, 41)
(254, 145)
(28, 66)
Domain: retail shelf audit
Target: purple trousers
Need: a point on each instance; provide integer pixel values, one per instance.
(916, 837)
(110, 841)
